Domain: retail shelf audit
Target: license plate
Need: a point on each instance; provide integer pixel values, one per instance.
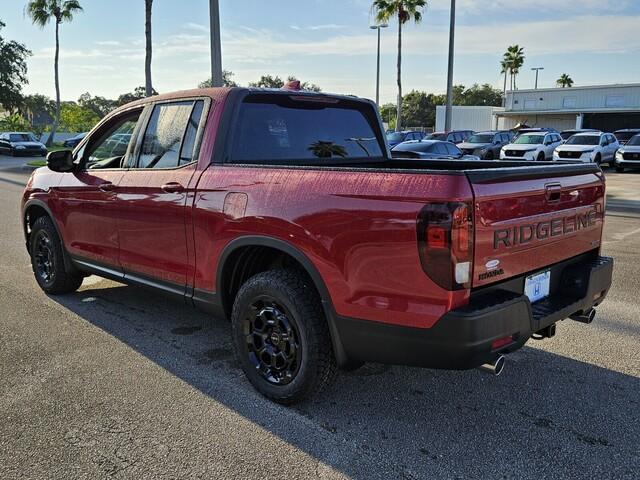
(536, 287)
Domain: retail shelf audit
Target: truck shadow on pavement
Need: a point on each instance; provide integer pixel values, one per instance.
(546, 416)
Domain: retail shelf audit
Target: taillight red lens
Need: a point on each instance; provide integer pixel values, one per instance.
(445, 243)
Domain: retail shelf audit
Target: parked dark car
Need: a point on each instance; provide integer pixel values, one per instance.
(21, 143)
(454, 136)
(395, 138)
(74, 141)
(626, 134)
(486, 145)
(567, 134)
(426, 149)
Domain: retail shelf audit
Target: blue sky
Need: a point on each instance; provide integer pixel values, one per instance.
(328, 42)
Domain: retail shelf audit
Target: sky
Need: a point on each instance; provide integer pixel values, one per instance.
(328, 42)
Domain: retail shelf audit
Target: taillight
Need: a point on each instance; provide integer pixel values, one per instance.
(445, 243)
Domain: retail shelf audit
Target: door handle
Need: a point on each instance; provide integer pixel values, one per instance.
(107, 187)
(553, 192)
(172, 187)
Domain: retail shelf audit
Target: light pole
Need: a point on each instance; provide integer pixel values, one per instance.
(452, 32)
(216, 53)
(537, 70)
(378, 28)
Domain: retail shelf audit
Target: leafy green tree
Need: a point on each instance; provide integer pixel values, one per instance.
(76, 118)
(138, 94)
(388, 112)
(267, 81)
(101, 106)
(227, 80)
(480, 95)
(14, 123)
(420, 108)
(564, 81)
(41, 12)
(404, 11)
(13, 71)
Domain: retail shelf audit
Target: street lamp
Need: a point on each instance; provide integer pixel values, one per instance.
(537, 70)
(378, 27)
(452, 32)
(216, 53)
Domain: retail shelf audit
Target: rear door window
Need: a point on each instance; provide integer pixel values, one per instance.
(163, 137)
(452, 149)
(282, 129)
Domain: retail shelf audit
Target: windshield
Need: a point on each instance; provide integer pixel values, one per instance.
(437, 136)
(413, 147)
(529, 139)
(480, 139)
(395, 137)
(22, 137)
(625, 136)
(584, 140)
(634, 142)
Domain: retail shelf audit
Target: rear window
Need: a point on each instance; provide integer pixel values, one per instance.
(625, 136)
(423, 147)
(303, 130)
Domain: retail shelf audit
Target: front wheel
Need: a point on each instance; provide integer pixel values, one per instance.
(598, 160)
(281, 337)
(489, 155)
(541, 157)
(47, 260)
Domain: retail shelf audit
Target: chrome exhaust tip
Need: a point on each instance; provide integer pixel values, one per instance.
(586, 317)
(495, 368)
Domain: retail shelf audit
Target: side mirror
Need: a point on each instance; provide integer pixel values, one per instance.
(60, 161)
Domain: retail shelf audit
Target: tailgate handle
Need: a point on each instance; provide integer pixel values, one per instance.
(552, 192)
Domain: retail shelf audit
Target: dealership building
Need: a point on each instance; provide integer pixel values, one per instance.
(603, 107)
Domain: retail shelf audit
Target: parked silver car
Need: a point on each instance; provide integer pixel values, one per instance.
(628, 156)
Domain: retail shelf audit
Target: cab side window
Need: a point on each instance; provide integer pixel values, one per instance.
(163, 136)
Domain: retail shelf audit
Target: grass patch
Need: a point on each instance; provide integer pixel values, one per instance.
(37, 163)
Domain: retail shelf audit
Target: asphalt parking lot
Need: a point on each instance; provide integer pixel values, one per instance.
(117, 382)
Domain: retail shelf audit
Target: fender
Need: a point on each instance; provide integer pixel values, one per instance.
(277, 244)
(39, 203)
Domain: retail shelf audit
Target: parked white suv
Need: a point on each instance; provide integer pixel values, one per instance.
(535, 146)
(594, 147)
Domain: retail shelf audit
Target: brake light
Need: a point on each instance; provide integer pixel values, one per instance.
(445, 236)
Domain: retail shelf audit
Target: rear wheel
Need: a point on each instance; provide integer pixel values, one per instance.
(281, 338)
(47, 260)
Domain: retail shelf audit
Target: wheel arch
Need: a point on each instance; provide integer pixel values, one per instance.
(235, 255)
(31, 211)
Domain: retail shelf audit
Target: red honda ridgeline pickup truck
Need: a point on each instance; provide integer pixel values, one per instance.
(284, 212)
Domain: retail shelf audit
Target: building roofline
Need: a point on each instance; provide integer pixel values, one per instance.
(519, 113)
(582, 87)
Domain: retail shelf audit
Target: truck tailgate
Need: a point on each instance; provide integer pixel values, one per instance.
(529, 218)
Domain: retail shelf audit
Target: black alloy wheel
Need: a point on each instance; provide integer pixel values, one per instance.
(273, 340)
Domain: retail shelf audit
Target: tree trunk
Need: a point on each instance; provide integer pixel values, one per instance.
(399, 108)
(148, 86)
(504, 90)
(56, 120)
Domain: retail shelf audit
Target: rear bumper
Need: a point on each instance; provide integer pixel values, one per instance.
(462, 339)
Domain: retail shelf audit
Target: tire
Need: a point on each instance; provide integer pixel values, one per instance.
(488, 155)
(47, 260)
(598, 160)
(281, 337)
(541, 157)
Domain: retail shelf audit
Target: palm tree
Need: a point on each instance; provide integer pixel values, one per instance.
(513, 59)
(564, 81)
(504, 65)
(405, 11)
(148, 86)
(40, 12)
